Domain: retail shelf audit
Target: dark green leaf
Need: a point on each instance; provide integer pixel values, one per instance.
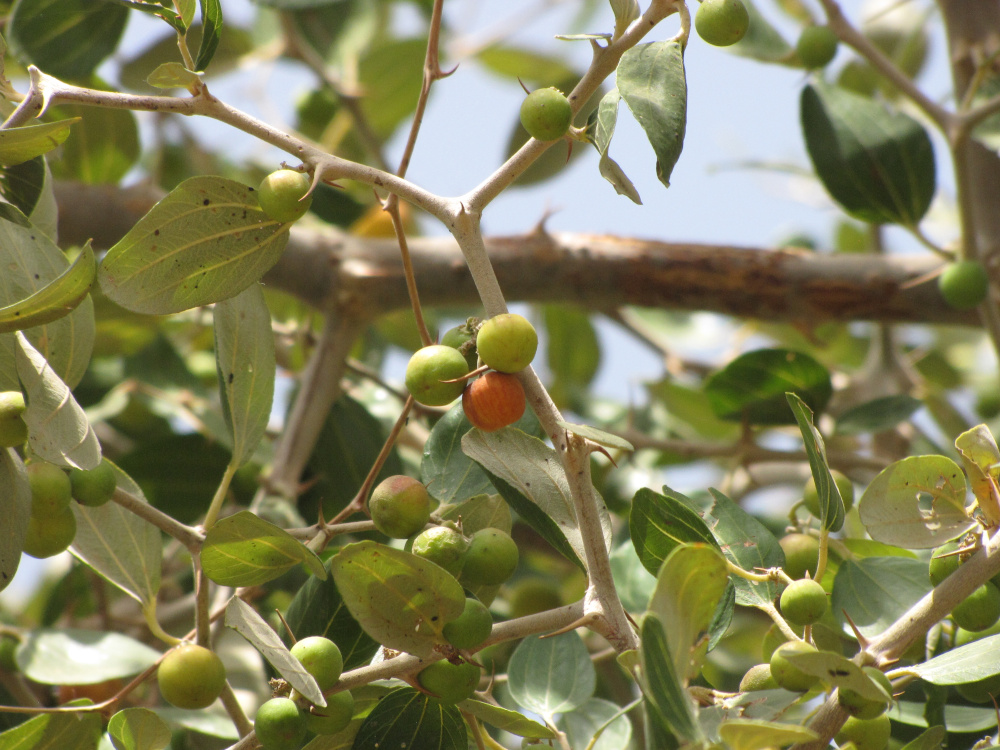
(878, 165)
(55, 300)
(876, 591)
(572, 352)
(406, 718)
(450, 475)
(155, 9)
(651, 81)
(662, 685)
(18, 145)
(15, 504)
(831, 504)
(722, 618)
(600, 131)
(103, 148)
(753, 386)
(553, 675)
(878, 414)
(211, 24)
(660, 523)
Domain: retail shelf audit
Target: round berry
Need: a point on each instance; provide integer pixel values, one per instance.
(449, 683)
(803, 602)
(470, 628)
(335, 716)
(866, 734)
(13, 430)
(530, 596)
(443, 546)
(491, 559)
(48, 536)
(94, 487)
(980, 610)
(722, 22)
(400, 506)
(758, 677)
(280, 724)
(284, 195)
(51, 490)
(810, 498)
(191, 677)
(865, 708)
(321, 658)
(788, 675)
(944, 561)
(427, 370)
(816, 47)
(964, 284)
(546, 114)
(801, 554)
(493, 400)
(507, 342)
(981, 691)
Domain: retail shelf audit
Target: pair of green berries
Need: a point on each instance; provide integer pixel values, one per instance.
(283, 723)
(52, 525)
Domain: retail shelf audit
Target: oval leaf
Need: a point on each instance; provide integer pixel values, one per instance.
(401, 600)
(56, 299)
(661, 685)
(406, 718)
(450, 475)
(205, 242)
(748, 734)
(597, 718)
(244, 550)
(831, 504)
(81, 657)
(878, 165)
(507, 720)
(876, 591)
(17, 145)
(969, 663)
(917, 503)
(660, 523)
(551, 675)
(138, 729)
(600, 131)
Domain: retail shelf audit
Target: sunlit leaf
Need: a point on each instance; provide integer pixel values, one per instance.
(831, 504)
(17, 145)
(63, 731)
(875, 591)
(138, 729)
(660, 523)
(507, 720)
(71, 656)
(662, 686)
(748, 734)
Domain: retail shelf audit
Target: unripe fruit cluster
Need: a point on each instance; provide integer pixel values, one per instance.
(487, 558)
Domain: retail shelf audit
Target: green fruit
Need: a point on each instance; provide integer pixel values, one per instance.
(801, 554)
(980, 610)
(803, 602)
(758, 677)
(865, 708)
(532, 595)
(866, 734)
(8, 650)
(785, 673)
(284, 195)
(280, 724)
(461, 337)
(321, 658)
(964, 284)
(335, 716)
(722, 22)
(470, 628)
(450, 683)
(400, 506)
(810, 498)
(546, 114)
(943, 562)
(191, 677)
(94, 487)
(51, 490)
(443, 546)
(507, 342)
(981, 691)
(13, 430)
(816, 47)
(427, 369)
(491, 559)
(770, 642)
(50, 535)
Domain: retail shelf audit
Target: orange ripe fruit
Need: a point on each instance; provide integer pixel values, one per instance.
(493, 400)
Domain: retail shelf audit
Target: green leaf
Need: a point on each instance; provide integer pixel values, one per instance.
(969, 663)
(54, 300)
(596, 716)
(753, 386)
(71, 656)
(573, 352)
(155, 9)
(390, 74)
(876, 591)
(212, 723)
(406, 718)
(480, 512)
(981, 457)
(172, 75)
(87, 32)
(121, 547)
(450, 475)
(689, 586)
(319, 609)
(401, 600)
(18, 145)
(831, 504)
(138, 729)
(660, 523)
(104, 147)
(244, 550)
(840, 672)
(244, 619)
(551, 675)
(517, 63)
(208, 240)
(15, 508)
(541, 491)
(958, 719)
(211, 24)
(507, 720)
(762, 41)
(651, 81)
(918, 502)
(662, 686)
(244, 356)
(747, 542)
(878, 414)
(932, 739)
(633, 582)
(750, 734)
(58, 429)
(23, 185)
(65, 731)
(600, 131)
(878, 165)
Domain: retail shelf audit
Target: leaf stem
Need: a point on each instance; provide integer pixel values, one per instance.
(221, 492)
